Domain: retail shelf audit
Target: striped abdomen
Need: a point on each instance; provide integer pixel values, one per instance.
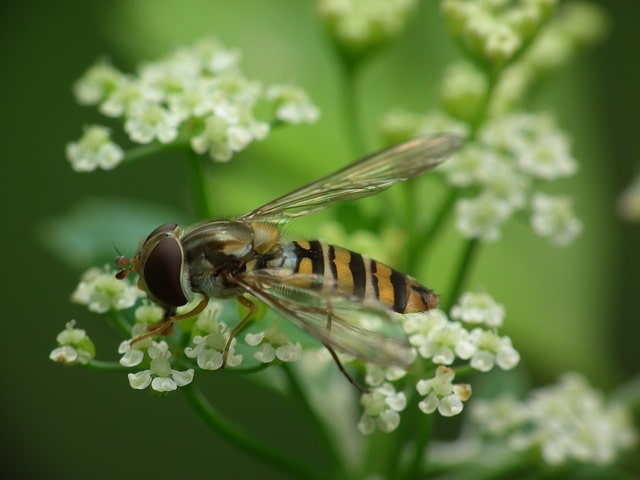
(356, 274)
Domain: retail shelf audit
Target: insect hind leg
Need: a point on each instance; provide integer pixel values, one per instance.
(252, 309)
(343, 370)
(335, 357)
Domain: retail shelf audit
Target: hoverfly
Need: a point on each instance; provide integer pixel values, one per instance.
(322, 288)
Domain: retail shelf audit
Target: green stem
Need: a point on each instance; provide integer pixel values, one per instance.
(464, 268)
(119, 323)
(483, 110)
(247, 371)
(103, 366)
(199, 172)
(399, 439)
(242, 439)
(349, 76)
(318, 424)
(421, 242)
(152, 149)
(422, 437)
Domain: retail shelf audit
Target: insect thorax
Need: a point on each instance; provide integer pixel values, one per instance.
(217, 251)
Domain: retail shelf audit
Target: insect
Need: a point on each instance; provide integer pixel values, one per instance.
(330, 292)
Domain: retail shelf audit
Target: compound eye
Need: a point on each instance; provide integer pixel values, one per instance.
(167, 227)
(163, 271)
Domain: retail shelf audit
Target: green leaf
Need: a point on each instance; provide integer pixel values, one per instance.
(94, 230)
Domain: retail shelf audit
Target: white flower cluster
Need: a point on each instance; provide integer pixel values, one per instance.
(94, 150)
(361, 24)
(210, 337)
(381, 407)
(494, 32)
(576, 26)
(440, 393)
(101, 291)
(513, 154)
(272, 344)
(442, 342)
(196, 94)
(160, 375)
(74, 346)
(567, 422)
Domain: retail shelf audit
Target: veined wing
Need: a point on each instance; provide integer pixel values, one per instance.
(362, 178)
(365, 330)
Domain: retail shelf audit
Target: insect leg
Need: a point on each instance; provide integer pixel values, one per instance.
(252, 309)
(352, 380)
(163, 327)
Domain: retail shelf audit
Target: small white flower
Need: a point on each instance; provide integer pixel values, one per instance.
(446, 343)
(272, 344)
(377, 375)
(479, 308)
(568, 422)
(502, 43)
(494, 31)
(97, 83)
(492, 349)
(499, 416)
(133, 355)
(128, 93)
(149, 121)
(465, 167)
(292, 104)
(226, 131)
(380, 409)
(441, 394)
(359, 24)
(215, 58)
(548, 158)
(435, 337)
(198, 100)
(100, 290)
(419, 326)
(74, 346)
(160, 375)
(94, 150)
(502, 179)
(553, 217)
(211, 340)
(481, 217)
(519, 133)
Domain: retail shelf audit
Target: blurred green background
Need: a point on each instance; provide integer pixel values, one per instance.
(568, 309)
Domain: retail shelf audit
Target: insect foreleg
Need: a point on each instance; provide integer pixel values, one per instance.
(164, 326)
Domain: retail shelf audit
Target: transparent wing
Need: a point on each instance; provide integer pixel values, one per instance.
(365, 330)
(362, 178)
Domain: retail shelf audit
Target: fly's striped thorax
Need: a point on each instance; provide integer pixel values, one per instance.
(356, 274)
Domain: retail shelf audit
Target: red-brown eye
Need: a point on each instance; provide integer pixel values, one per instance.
(163, 271)
(167, 227)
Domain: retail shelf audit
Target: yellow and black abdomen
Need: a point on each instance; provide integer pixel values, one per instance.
(356, 274)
